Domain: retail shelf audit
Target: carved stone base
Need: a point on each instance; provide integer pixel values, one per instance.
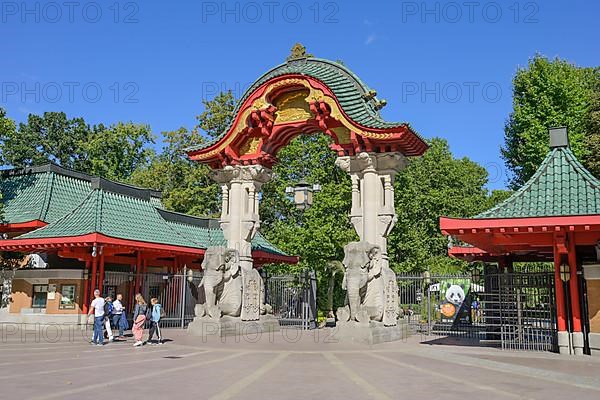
(232, 326)
(370, 333)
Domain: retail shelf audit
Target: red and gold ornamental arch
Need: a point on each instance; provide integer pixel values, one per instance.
(306, 95)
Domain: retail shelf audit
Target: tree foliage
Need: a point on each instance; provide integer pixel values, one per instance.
(431, 186)
(549, 93)
(185, 185)
(113, 152)
(217, 114)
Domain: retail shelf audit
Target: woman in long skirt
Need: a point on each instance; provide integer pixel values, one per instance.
(139, 319)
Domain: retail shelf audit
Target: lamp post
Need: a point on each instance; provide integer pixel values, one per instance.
(427, 280)
(302, 194)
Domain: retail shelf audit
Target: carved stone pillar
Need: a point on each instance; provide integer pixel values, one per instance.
(240, 220)
(373, 214)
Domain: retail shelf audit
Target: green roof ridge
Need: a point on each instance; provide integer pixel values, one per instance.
(353, 103)
(545, 195)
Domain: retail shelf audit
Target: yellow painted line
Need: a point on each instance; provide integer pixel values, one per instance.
(445, 377)
(371, 390)
(238, 386)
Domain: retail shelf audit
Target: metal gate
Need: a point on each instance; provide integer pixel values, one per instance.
(294, 299)
(519, 310)
(440, 305)
(513, 311)
(177, 293)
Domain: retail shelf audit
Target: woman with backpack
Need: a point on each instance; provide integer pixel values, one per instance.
(139, 318)
(156, 314)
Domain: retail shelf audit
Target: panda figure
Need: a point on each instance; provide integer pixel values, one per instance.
(455, 294)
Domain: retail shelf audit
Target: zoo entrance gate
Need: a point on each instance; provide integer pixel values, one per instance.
(292, 297)
(513, 311)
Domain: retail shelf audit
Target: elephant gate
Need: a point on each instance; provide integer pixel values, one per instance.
(307, 95)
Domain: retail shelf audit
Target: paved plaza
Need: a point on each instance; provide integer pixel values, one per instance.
(289, 364)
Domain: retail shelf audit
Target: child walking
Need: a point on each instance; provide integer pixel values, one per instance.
(157, 313)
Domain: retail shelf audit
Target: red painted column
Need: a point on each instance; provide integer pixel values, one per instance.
(101, 278)
(574, 286)
(138, 268)
(94, 273)
(86, 288)
(561, 319)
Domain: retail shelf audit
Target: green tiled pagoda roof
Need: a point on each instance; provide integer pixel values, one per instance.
(115, 215)
(345, 85)
(560, 187)
(75, 204)
(39, 193)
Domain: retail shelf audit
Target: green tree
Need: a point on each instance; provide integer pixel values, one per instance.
(547, 93)
(318, 234)
(217, 114)
(185, 185)
(433, 185)
(49, 137)
(113, 152)
(593, 128)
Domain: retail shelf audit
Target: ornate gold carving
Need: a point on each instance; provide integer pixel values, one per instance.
(292, 106)
(298, 51)
(250, 146)
(313, 95)
(343, 134)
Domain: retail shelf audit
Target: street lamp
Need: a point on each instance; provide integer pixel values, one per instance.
(565, 272)
(302, 194)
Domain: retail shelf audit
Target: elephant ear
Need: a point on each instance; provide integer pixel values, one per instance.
(372, 251)
(231, 258)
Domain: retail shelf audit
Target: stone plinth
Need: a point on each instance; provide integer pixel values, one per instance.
(232, 326)
(370, 333)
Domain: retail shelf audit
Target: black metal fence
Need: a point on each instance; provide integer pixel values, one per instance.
(292, 297)
(509, 310)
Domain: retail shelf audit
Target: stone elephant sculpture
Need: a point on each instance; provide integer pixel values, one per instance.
(222, 282)
(356, 263)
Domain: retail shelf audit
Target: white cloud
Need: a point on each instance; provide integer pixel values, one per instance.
(370, 39)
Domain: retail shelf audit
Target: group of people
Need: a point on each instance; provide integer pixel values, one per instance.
(109, 314)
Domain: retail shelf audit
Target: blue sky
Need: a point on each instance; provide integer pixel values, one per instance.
(445, 67)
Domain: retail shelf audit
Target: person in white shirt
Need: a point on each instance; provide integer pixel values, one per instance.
(118, 314)
(97, 308)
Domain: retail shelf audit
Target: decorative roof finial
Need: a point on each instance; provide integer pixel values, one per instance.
(298, 51)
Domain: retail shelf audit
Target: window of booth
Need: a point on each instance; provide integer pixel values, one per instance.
(110, 290)
(40, 296)
(67, 297)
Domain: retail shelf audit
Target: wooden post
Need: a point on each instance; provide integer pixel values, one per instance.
(101, 278)
(86, 288)
(574, 286)
(138, 268)
(561, 319)
(94, 273)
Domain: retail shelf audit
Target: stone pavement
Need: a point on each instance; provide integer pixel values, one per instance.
(286, 365)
